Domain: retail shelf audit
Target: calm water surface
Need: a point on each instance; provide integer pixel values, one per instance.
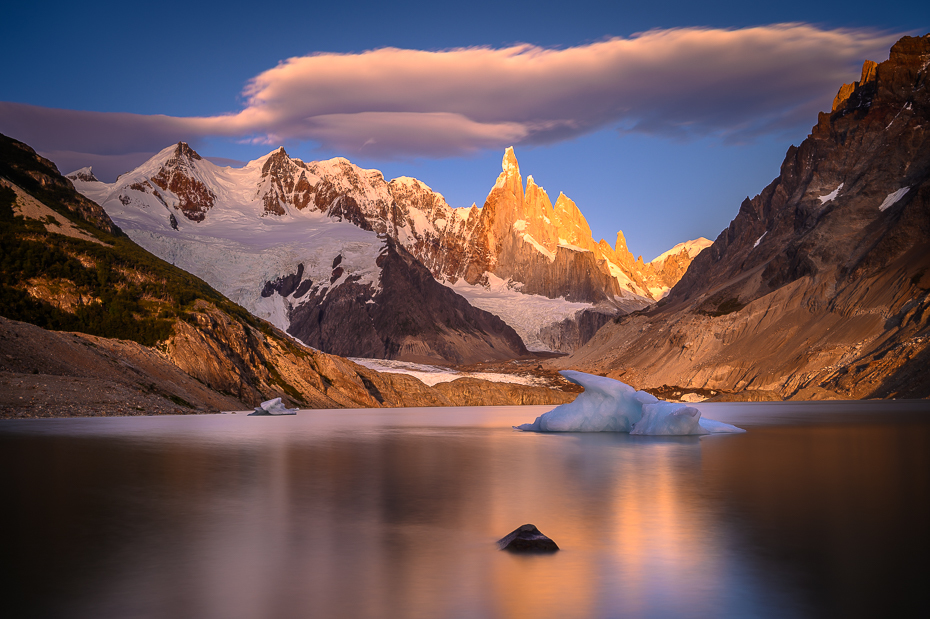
(817, 511)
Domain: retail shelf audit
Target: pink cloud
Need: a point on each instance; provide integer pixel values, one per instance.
(398, 102)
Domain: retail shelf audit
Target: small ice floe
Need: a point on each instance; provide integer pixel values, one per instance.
(273, 407)
(607, 405)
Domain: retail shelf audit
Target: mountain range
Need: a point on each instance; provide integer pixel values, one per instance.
(354, 265)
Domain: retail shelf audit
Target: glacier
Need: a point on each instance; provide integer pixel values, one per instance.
(608, 405)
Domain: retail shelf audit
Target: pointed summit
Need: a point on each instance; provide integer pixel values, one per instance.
(85, 175)
(180, 176)
(510, 178)
(184, 150)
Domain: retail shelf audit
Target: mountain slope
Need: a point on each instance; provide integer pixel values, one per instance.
(819, 286)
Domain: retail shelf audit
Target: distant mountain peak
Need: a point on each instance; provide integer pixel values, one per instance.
(85, 174)
(184, 150)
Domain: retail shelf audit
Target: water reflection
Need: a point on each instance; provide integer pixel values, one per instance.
(385, 516)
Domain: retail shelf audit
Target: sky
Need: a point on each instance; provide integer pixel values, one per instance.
(656, 118)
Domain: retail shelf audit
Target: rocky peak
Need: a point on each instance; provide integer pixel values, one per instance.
(285, 183)
(509, 179)
(184, 151)
(571, 224)
(85, 175)
(178, 175)
(847, 90)
(276, 163)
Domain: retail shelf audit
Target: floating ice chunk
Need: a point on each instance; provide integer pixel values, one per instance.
(607, 405)
(273, 407)
(669, 418)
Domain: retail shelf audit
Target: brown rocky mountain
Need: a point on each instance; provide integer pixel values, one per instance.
(71, 284)
(819, 286)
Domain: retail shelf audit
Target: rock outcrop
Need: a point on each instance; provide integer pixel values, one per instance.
(527, 538)
(820, 283)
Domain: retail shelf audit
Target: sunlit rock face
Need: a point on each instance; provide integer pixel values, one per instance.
(819, 286)
(177, 175)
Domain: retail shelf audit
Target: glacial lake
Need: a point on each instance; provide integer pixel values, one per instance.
(818, 510)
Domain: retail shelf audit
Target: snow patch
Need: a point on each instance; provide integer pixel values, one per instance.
(694, 248)
(571, 247)
(892, 198)
(545, 252)
(830, 196)
(433, 374)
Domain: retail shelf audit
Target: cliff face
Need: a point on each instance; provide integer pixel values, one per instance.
(819, 286)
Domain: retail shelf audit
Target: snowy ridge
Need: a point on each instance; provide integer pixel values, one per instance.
(693, 247)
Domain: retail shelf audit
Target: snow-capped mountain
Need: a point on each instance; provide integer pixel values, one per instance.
(307, 246)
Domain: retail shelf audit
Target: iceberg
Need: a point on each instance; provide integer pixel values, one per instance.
(273, 407)
(607, 405)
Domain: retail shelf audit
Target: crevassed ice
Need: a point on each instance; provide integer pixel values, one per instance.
(608, 405)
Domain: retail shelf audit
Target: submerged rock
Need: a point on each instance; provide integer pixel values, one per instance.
(527, 539)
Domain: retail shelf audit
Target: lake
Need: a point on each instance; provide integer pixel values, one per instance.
(818, 510)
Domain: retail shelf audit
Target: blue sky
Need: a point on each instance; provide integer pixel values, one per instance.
(665, 161)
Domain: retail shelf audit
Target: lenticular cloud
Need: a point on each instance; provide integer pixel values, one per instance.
(607, 405)
(387, 102)
(696, 81)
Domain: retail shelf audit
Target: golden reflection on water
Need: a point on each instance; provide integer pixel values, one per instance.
(297, 520)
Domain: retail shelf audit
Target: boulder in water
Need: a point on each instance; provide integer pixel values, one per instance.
(527, 539)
